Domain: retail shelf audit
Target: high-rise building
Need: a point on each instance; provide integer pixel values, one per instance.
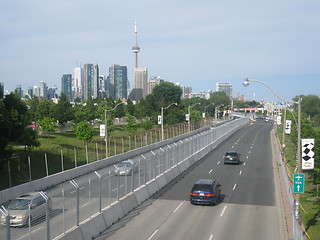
(224, 87)
(141, 82)
(19, 90)
(77, 83)
(90, 81)
(30, 92)
(118, 81)
(52, 93)
(36, 91)
(66, 85)
(154, 81)
(43, 89)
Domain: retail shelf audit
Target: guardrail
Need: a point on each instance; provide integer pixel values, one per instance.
(83, 207)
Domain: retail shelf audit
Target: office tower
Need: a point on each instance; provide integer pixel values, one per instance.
(141, 82)
(43, 89)
(224, 87)
(77, 83)
(36, 91)
(118, 81)
(30, 92)
(154, 81)
(52, 93)
(66, 85)
(90, 81)
(19, 90)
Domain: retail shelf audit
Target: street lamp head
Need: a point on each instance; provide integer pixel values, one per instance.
(246, 82)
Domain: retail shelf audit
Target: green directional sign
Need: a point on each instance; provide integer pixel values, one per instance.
(298, 183)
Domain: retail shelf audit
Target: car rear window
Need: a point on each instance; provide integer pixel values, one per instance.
(201, 188)
(231, 154)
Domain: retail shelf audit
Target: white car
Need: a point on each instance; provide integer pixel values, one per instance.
(126, 167)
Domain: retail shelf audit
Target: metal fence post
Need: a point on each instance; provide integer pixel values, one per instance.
(145, 169)
(7, 215)
(62, 167)
(29, 162)
(46, 162)
(99, 176)
(47, 213)
(63, 211)
(89, 195)
(73, 182)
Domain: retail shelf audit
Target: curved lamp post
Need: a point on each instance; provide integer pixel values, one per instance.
(189, 110)
(106, 126)
(217, 108)
(298, 163)
(204, 112)
(162, 111)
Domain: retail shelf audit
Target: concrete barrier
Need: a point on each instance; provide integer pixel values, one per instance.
(142, 194)
(93, 227)
(162, 181)
(152, 187)
(128, 203)
(74, 233)
(112, 214)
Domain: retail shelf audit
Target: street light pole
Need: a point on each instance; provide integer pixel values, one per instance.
(205, 109)
(106, 126)
(298, 162)
(189, 112)
(162, 111)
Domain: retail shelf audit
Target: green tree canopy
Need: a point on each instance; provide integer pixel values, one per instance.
(63, 110)
(29, 138)
(84, 131)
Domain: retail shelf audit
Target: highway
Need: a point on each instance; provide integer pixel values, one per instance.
(249, 208)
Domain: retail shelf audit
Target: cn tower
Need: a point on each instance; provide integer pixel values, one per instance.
(136, 48)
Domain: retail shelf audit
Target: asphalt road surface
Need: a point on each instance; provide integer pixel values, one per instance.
(249, 207)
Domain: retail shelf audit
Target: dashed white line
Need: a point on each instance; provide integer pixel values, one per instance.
(211, 236)
(31, 232)
(247, 157)
(234, 187)
(210, 171)
(75, 190)
(244, 163)
(154, 233)
(249, 151)
(178, 207)
(218, 163)
(223, 210)
(240, 172)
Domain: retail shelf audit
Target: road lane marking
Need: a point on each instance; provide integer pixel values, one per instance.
(211, 236)
(240, 172)
(247, 157)
(249, 151)
(232, 147)
(154, 233)
(223, 210)
(234, 187)
(28, 234)
(244, 163)
(178, 207)
(76, 190)
(210, 171)
(218, 162)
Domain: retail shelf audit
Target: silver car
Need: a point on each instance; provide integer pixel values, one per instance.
(18, 209)
(126, 167)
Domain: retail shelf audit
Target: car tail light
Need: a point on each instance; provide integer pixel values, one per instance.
(224, 158)
(194, 194)
(209, 194)
(237, 159)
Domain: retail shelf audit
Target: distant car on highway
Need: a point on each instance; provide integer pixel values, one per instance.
(231, 157)
(125, 168)
(18, 209)
(205, 191)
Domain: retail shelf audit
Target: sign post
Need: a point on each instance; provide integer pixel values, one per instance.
(298, 183)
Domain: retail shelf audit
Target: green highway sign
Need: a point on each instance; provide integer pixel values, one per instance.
(298, 183)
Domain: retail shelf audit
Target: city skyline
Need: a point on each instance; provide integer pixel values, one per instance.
(194, 44)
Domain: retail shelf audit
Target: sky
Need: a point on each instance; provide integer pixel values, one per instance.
(193, 43)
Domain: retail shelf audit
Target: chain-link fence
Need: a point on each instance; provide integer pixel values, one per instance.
(63, 207)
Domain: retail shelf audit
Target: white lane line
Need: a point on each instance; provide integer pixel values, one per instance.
(75, 190)
(232, 147)
(210, 171)
(247, 157)
(218, 163)
(28, 234)
(223, 210)
(154, 233)
(211, 236)
(244, 163)
(251, 147)
(84, 205)
(249, 151)
(115, 189)
(177, 207)
(234, 187)
(240, 172)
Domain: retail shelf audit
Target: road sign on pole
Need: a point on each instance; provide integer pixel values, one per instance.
(298, 183)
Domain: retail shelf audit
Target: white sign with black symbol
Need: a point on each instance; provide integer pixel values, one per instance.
(288, 127)
(307, 153)
(102, 131)
(187, 117)
(159, 119)
(279, 120)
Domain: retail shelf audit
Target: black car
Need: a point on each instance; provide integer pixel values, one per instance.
(231, 157)
(205, 191)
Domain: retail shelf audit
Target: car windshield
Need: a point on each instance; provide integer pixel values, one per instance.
(18, 204)
(123, 165)
(232, 154)
(201, 188)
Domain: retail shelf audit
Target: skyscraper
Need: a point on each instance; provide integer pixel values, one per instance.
(224, 87)
(154, 81)
(90, 81)
(43, 89)
(118, 81)
(77, 83)
(66, 85)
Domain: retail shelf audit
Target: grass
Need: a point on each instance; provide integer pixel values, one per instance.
(310, 204)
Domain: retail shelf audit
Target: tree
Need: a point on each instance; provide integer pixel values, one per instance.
(13, 119)
(63, 109)
(84, 131)
(166, 93)
(219, 98)
(131, 123)
(29, 138)
(48, 124)
(45, 108)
